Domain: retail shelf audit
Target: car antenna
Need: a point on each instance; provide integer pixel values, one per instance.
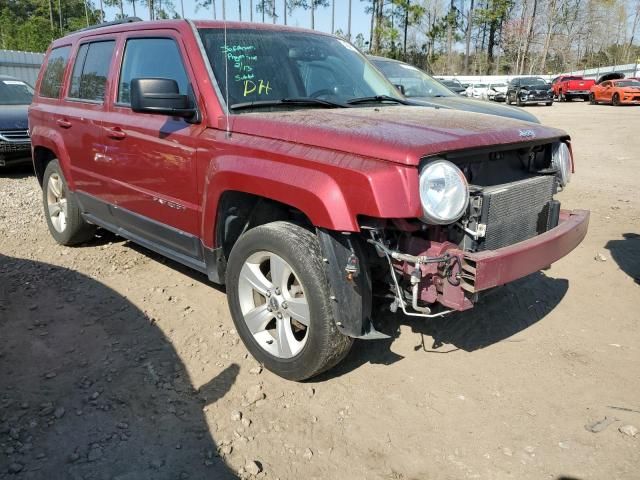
(226, 79)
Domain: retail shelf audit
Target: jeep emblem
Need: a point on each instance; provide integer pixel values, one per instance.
(527, 133)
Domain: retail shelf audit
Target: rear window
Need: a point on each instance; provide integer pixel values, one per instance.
(54, 72)
(90, 71)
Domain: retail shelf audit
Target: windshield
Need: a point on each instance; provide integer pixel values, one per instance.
(479, 85)
(498, 85)
(416, 83)
(266, 66)
(628, 83)
(533, 81)
(15, 92)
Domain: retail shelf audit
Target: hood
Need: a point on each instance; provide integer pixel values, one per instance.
(401, 134)
(13, 117)
(500, 89)
(478, 106)
(610, 76)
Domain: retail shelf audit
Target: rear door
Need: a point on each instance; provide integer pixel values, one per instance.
(81, 111)
(152, 157)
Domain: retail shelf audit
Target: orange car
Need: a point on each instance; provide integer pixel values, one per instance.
(625, 91)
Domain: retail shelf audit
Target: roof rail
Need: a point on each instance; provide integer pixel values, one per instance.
(108, 24)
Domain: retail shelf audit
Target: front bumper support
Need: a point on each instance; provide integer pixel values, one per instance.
(484, 270)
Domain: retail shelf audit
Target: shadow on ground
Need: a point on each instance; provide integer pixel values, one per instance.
(499, 315)
(91, 389)
(17, 171)
(626, 253)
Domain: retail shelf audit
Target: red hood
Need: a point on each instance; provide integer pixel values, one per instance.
(399, 134)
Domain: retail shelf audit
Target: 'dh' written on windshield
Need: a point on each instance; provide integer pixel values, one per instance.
(244, 58)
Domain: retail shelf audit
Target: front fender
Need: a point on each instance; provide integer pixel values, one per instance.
(331, 188)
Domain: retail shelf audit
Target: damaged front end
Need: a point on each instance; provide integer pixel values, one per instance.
(507, 226)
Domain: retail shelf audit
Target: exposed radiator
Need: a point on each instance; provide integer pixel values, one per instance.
(516, 211)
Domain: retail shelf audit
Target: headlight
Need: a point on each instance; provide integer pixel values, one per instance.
(444, 192)
(561, 161)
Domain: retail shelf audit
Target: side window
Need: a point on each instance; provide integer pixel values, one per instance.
(89, 77)
(54, 72)
(151, 58)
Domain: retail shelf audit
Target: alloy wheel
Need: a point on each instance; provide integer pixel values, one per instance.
(274, 304)
(57, 202)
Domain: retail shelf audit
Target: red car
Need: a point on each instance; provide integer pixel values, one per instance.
(567, 87)
(280, 162)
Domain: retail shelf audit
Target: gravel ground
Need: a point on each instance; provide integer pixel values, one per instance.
(118, 364)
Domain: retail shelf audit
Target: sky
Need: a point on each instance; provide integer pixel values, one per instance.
(360, 21)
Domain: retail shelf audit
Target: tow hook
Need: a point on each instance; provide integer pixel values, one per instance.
(352, 269)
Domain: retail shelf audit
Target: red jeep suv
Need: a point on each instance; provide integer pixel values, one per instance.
(280, 162)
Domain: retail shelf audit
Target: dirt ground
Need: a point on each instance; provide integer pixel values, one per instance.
(118, 364)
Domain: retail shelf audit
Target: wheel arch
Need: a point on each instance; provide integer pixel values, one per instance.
(48, 145)
(41, 158)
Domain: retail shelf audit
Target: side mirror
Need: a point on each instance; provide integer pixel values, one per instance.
(400, 88)
(160, 96)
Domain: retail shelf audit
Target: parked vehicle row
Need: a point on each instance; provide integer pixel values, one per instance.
(280, 162)
(422, 89)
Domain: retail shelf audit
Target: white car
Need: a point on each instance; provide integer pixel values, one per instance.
(496, 92)
(476, 90)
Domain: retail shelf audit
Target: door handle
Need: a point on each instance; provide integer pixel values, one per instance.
(63, 123)
(116, 133)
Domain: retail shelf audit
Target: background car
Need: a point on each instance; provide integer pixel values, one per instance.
(15, 97)
(477, 90)
(616, 92)
(496, 92)
(454, 85)
(422, 89)
(529, 90)
(567, 87)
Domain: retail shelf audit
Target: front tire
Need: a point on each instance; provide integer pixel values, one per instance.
(615, 100)
(61, 209)
(592, 99)
(280, 301)
(519, 101)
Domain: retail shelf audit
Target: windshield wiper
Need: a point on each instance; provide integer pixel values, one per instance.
(377, 99)
(301, 101)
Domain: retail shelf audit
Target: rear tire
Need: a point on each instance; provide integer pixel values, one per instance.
(61, 209)
(548, 104)
(272, 268)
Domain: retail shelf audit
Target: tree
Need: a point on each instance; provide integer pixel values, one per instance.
(31, 25)
(311, 5)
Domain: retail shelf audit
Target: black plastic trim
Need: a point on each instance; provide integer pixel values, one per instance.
(175, 244)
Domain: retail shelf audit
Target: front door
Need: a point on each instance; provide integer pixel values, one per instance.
(152, 157)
